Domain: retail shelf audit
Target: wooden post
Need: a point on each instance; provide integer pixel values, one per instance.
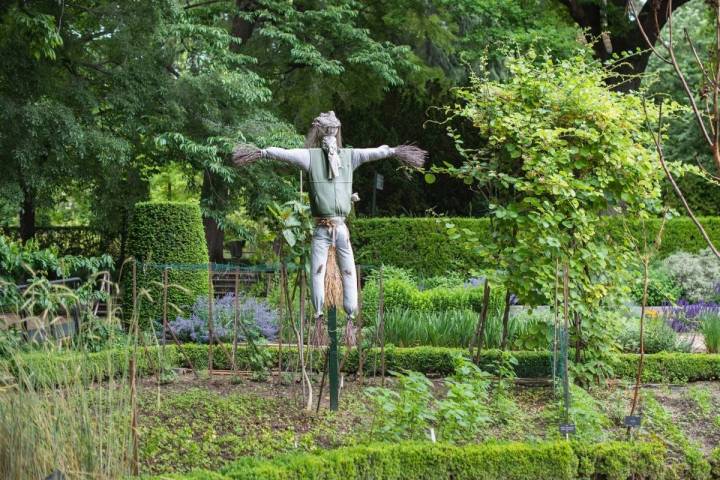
(566, 333)
(211, 328)
(235, 320)
(164, 318)
(381, 312)
(333, 359)
(360, 325)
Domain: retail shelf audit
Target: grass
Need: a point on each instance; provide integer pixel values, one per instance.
(710, 328)
(455, 328)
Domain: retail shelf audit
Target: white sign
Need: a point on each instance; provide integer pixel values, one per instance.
(379, 181)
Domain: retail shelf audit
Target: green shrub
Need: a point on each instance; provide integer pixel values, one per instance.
(662, 288)
(401, 291)
(697, 274)
(415, 460)
(658, 368)
(422, 245)
(658, 336)
(620, 460)
(166, 233)
(512, 461)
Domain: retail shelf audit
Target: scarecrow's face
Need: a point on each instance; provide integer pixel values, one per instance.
(329, 131)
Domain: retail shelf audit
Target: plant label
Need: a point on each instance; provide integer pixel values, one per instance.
(567, 428)
(632, 421)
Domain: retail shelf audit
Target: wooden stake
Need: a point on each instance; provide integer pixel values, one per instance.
(381, 325)
(211, 327)
(235, 320)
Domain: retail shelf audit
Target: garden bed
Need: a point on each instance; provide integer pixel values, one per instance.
(208, 423)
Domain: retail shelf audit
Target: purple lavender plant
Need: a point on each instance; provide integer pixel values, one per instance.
(256, 319)
(684, 316)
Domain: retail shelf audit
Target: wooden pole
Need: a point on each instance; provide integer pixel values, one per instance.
(333, 374)
(211, 327)
(381, 312)
(480, 330)
(566, 333)
(235, 320)
(165, 300)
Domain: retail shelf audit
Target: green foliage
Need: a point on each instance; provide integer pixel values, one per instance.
(165, 234)
(590, 422)
(464, 412)
(201, 428)
(659, 421)
(710, 328)
(456, 328)
(421, 245)
(620, 460)
(658, 336)
(697, 274)
(408, 460)
(662, 288)
(411, 411)
(402, 292)
(405, 413)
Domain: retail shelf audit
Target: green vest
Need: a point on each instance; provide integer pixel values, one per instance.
(330, 198)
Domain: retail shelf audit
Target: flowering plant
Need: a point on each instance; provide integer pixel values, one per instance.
(256, 320)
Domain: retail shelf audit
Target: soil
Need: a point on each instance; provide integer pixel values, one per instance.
(700, 421)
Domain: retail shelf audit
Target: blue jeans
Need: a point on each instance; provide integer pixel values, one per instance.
(322, 240)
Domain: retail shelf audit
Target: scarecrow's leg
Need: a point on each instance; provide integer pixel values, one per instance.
(346, 264)
(319, 246)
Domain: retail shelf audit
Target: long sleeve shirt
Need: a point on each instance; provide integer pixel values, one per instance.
(300, 157)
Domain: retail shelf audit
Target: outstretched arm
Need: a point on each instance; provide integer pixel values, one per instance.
(364, 155)
(298, 157)
(408, 154)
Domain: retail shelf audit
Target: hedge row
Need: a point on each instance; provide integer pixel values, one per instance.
(422, 245)
(489, 461)
(59, 368)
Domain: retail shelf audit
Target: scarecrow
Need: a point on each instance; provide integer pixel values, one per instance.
(330, 170)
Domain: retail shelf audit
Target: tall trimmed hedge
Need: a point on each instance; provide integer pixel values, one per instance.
(422, 245)
(166, 233)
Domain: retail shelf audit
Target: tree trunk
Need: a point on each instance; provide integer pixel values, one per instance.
(622, 38)
(27, 216)
(214, 236)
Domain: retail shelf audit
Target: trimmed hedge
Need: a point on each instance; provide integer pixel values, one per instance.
(487, 461)
(165, 233)
(421, 244)
(659, 367)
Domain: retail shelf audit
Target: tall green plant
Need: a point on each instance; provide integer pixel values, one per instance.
(554, 149)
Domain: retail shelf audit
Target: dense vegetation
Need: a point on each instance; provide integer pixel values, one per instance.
(155, 313)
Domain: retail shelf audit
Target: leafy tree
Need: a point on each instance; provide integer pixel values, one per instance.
(557, 151)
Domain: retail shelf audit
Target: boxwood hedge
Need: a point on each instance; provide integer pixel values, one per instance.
(422, 245)
(659, 367)
(488, 461)
(165, 233)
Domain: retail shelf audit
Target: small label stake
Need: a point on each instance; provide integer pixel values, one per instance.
(567, 428)
(632, 421)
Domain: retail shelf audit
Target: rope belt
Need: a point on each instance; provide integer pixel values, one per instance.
(331, 223)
